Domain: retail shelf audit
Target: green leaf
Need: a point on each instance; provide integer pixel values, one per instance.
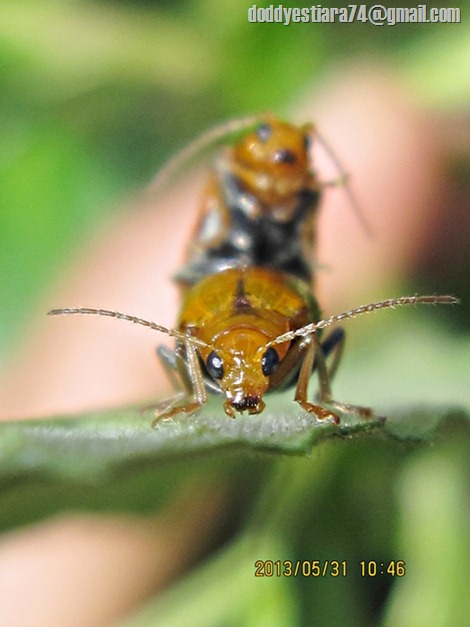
(115, 460)
(91, 445)
(433, 534)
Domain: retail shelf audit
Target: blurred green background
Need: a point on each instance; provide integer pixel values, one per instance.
(94, 97)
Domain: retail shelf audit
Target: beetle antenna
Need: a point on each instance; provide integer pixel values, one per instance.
(87, 311)
(344, 181)
(197, 146)
(391, 303)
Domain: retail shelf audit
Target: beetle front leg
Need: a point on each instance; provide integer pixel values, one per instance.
(194, 382)
(314, 354)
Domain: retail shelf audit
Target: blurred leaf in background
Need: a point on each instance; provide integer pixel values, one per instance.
(94, 97)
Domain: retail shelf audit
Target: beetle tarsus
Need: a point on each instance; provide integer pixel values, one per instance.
(320, 412)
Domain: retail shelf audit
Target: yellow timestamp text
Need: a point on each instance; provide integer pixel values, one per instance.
(300, 568)
(373, 568)
(328, 568)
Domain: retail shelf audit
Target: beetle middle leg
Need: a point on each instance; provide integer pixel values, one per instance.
(334, 344)
(170, 360)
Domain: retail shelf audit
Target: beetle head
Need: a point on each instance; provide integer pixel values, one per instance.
(273, 161)
(241, 364)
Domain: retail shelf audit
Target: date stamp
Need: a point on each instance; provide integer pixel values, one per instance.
(300, 568)
(328, 568)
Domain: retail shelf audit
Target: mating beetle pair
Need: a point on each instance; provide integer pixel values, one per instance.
(249, 322)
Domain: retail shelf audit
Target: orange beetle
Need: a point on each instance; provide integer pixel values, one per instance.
(244, 332)
(236, 313)
(259, 207)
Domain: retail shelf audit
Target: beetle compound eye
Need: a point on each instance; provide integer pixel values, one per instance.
(269, 361)
(285, 156)
(215, 366)
(264, 132)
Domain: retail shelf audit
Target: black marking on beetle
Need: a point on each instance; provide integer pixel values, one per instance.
(241, 301)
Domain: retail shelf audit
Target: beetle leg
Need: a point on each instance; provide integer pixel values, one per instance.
(174, 360)
(339, 181)
(314, 354)
(288, 368)
(170, 361)
(335, 342)
(194, 382)
(365, 413)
